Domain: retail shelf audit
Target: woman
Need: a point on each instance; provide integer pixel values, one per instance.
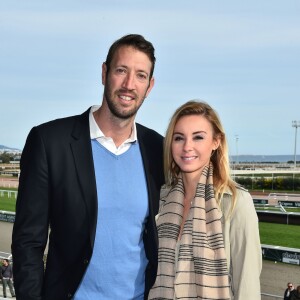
(209, 245)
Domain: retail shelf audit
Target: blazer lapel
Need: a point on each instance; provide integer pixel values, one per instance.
(148, 156)
(83, 159)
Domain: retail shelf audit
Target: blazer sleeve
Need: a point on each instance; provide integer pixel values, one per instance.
(245, 249)
(30, 230)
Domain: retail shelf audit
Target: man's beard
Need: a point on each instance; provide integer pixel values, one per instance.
(113, 107)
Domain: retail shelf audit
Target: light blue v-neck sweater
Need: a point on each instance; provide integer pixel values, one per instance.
(117, 267)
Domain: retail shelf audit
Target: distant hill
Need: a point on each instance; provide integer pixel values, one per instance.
(263, 158)
(5, 148)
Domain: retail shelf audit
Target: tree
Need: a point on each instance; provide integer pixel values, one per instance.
(5, 157)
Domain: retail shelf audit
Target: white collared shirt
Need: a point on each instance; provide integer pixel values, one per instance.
(107, 142)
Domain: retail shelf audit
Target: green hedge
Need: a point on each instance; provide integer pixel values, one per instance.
(267, 183)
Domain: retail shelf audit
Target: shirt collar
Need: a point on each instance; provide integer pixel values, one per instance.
(95, 131)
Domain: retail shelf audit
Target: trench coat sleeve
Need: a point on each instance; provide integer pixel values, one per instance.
(245, 249)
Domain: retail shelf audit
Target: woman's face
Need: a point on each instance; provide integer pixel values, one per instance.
(193, 143)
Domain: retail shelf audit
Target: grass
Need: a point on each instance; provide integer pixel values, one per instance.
(6, 203)
(280, 234)
(2, 188)
(270, 233)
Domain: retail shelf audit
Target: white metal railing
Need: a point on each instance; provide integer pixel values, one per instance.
(9, 193)
(265, 296)
(5, 255)
(278, 207)
(282, 195)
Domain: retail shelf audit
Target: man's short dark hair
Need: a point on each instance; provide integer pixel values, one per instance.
(136, 41)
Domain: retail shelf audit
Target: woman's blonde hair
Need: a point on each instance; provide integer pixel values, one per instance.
(219, 158)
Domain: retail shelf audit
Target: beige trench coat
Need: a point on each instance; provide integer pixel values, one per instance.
(242, 246)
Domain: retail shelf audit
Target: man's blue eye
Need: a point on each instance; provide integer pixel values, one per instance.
(142, 76)
(120, 71)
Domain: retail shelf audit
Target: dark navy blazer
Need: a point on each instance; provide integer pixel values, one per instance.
(58, 188)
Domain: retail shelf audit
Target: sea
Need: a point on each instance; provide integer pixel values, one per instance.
(263, 158)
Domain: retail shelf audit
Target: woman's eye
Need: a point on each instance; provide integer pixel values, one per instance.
(178, 138)
(198, 137)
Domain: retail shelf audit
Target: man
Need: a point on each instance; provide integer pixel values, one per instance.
(6, 276)
(287, 292)
(95, 178)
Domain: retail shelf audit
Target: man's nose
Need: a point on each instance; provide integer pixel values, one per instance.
(129, 81)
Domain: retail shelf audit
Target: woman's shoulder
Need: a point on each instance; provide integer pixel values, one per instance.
(242, 203)
(244, 206)
(243, 193)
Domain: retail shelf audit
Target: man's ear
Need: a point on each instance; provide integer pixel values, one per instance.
(151, 84)
(104, 72)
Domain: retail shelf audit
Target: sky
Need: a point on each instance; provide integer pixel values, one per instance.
(241, 57)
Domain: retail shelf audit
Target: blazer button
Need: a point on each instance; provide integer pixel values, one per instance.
(85, 261)
(70, 295)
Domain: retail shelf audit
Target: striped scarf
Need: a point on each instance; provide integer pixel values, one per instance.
(195, 267)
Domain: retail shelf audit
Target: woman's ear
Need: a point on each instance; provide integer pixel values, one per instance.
(217, 142)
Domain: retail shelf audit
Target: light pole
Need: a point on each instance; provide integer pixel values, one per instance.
(295, 124)
(237, 152)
